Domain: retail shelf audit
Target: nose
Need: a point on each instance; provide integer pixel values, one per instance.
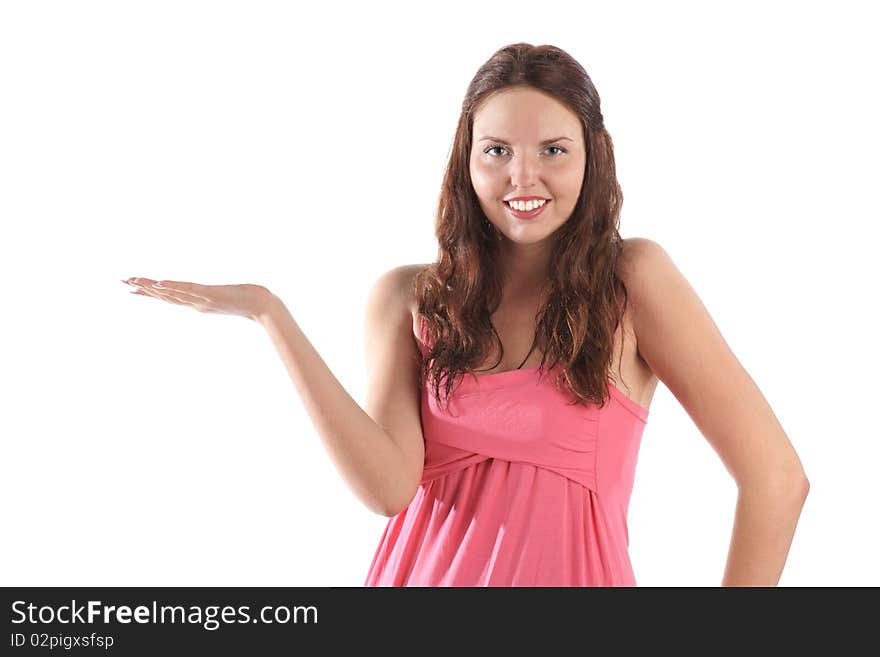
(522, 172)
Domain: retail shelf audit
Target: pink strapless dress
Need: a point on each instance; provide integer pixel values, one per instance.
(520, 488)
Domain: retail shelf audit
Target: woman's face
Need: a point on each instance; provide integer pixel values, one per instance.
(508, 160)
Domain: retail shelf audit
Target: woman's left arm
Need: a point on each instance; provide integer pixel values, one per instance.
(683, 346)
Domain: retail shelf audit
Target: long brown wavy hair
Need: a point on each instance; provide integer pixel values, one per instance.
(582, 306)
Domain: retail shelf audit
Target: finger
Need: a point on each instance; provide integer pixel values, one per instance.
(147, 294)
(172, 295)
(181, 287)
(162, 297)
(180, 290)
(181, 293)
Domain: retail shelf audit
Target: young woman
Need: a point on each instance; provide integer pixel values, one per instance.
(510, 380)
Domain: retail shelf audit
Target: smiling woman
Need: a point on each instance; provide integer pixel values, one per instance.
(529, 247)
(499, 435)
(521, 475)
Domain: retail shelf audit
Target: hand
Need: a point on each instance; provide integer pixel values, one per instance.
(244, 300)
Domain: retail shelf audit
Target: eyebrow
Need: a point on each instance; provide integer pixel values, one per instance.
(546, 141)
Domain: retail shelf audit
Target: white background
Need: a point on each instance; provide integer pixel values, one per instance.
(301, 146)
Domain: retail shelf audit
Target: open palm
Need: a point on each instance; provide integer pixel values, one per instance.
(244, 300)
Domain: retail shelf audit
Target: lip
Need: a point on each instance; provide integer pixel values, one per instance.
(526, 215)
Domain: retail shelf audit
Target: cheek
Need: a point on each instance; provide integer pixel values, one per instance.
(484, 179)
(568, 183)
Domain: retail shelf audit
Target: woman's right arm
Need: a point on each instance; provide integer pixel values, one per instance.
(379, 454)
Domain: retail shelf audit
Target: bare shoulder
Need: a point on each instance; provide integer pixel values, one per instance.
(638, 252)
(408, 275)
(650, 275)
(640, 266)
(402, 280)
(405, 276)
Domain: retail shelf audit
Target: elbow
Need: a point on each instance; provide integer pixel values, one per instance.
(800, 488)
(403, 500)
(804, 486)
(389, 511)
(795, 486)
(799, 484)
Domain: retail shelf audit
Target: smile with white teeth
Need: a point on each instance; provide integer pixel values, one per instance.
(525, 206)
